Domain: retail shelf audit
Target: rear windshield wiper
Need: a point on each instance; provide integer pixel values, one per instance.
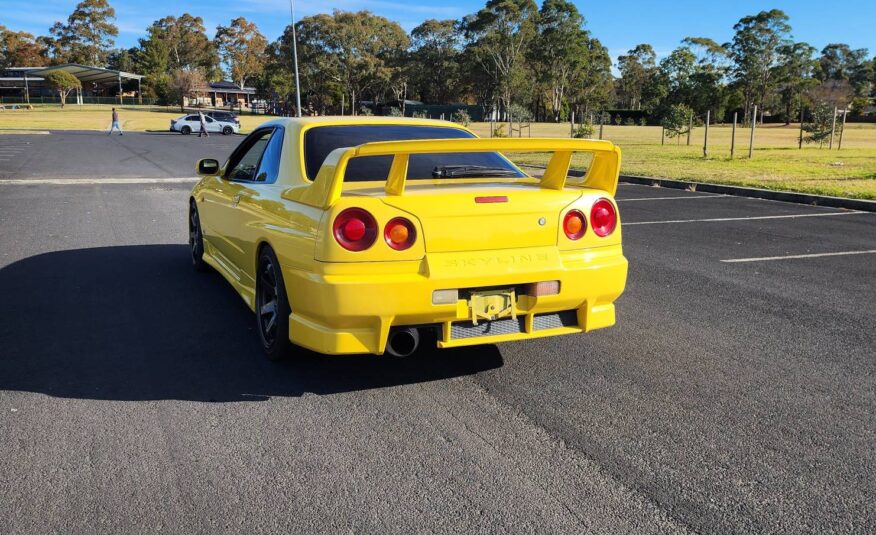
(461, 171)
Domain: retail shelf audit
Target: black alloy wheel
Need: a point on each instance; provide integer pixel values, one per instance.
(196, 239)
(272, 306)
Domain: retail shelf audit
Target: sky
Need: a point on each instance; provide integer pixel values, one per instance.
(619, 24)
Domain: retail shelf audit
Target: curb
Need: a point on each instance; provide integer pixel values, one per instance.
(757, 193)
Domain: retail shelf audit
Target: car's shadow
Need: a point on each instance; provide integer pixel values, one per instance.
(136, 323)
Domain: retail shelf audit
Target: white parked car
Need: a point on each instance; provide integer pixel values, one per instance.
(192, 123)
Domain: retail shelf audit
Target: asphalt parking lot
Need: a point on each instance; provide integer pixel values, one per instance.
(737, 393)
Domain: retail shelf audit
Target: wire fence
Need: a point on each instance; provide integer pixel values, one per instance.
(71, 100)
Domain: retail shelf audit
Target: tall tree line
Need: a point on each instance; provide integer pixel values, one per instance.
(511, 56)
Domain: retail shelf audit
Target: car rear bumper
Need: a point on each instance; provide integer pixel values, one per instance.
(351, 307)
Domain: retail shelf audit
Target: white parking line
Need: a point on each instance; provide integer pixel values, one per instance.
(87, 181)
(791, 257)
(716, 219)
(684, 198)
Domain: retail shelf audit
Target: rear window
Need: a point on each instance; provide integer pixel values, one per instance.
(321, 140)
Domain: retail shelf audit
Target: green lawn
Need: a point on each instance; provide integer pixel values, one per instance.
(97, 117)
(777, 163)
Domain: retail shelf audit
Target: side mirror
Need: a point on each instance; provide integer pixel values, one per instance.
(208, 167)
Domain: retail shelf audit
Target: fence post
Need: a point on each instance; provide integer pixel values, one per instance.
(706, 138)
(832, 128)
(601, 121)
(753, 125)
(572, 124)
(662, 135)
(842, 130)
(733, 136)
(802, 116)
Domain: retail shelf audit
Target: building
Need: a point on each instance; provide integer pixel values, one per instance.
(24, 84)
(222, 93)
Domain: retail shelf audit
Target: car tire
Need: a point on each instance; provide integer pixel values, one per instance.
(272, 306)
(227, 130)
(196, 239)
(186, 130)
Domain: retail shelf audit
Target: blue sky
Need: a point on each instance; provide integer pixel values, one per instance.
(619, 24)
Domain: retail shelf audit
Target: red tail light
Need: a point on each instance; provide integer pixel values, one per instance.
(603, 217)
(355, 229)
(574, 224)
(399, 233)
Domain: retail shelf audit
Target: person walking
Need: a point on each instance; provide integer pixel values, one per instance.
(115, 124)
(203, 125)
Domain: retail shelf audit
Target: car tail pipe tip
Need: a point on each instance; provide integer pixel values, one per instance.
(402, 341)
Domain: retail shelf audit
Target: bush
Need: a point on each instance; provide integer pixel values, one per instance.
(365, 110)
(819, 128)
(519, 113)
(461, 117)
(618, 119)
(420, 115)
(643, 122)
(629, 122)
(859, 104)
(584, 130)
(677, 120)
(395, 112)
(499, 131)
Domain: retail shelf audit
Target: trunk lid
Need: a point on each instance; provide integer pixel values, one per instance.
(482, 216)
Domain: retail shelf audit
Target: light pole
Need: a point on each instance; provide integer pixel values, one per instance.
(295, 59)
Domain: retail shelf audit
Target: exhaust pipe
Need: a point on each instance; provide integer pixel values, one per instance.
(402, 341)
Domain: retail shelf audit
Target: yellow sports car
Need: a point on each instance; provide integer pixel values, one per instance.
(368, 234)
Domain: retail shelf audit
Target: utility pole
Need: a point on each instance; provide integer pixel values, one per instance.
(753, 125)
(295, 59)
(706, 138)
(842, 130)
(832, 128)
(733, 136)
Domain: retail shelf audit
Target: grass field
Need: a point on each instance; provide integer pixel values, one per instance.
(777, 163)
(97, 117)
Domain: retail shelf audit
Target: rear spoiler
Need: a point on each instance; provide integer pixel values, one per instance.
(602, 174)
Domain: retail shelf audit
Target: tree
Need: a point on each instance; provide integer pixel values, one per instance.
(794, 74)
(357, 51)
(152, 59)
(21, 49)
(63, 82)
(186, 44)
(498, 35)
(594, 83)
(436, 61)
(636, 68)
(88, 35)
(755, 54)
(560, 50)
(839, 62)
(242, 48)
(707, 90)
(184, 83)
